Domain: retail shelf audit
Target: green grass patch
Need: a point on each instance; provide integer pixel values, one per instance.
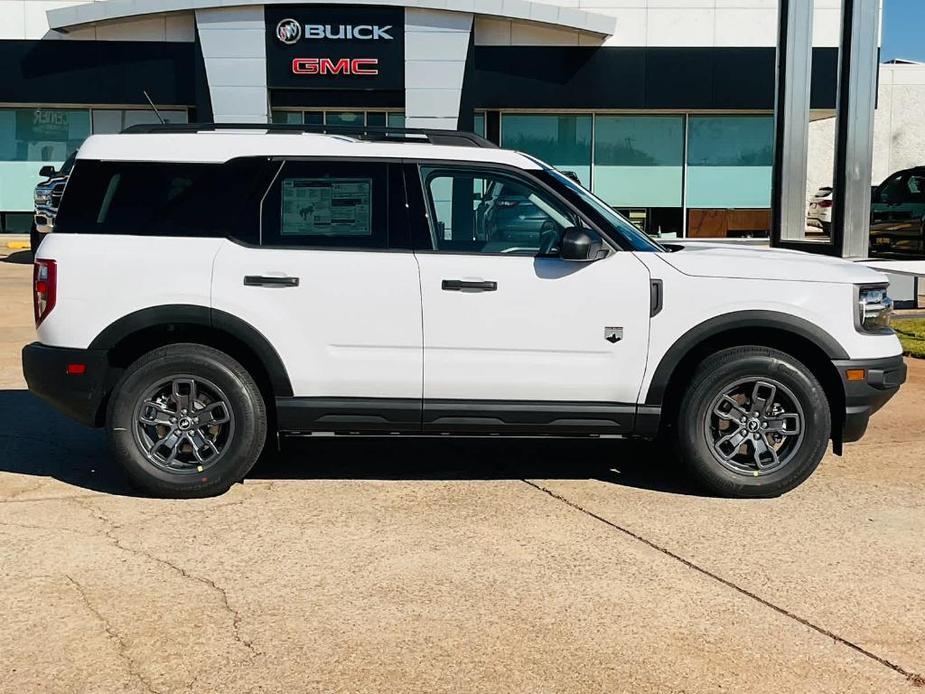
(911, 332)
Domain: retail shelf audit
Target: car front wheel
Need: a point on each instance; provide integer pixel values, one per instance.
(186, 420)
(754, 422)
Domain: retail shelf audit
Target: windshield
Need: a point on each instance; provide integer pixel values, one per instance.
(613, 223)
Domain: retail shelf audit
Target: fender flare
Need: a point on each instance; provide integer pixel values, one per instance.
(736, 321)
(203, 316)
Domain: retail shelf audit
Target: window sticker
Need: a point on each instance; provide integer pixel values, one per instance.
(326, 207)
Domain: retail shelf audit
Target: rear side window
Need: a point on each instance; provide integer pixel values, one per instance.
(164, 199)
(330, 204)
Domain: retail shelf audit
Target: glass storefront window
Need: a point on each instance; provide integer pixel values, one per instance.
(393, 119)
(563, 141)
(31, 137)
(41, 134)
(478, 124)
(116, 120)
(344, 118)
(286, 117)
(729, 161)
(639, 160)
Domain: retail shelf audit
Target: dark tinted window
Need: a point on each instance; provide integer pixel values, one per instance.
(328, 204)
(165, 199)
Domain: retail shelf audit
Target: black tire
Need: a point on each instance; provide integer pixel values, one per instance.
(236, 443)
(706, 418)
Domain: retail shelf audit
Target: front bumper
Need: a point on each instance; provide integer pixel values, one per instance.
(864, 396)
(78, 395)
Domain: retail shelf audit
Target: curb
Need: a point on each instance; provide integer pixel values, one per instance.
(19, 245)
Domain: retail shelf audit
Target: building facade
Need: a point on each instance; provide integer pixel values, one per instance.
(662, 107)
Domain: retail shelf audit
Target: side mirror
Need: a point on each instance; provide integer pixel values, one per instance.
(576, 244)
(47, 171)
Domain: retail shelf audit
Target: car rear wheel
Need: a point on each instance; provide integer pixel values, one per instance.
(186, 420)
(754, 422)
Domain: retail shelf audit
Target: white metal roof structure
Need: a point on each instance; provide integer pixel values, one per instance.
(65, 18)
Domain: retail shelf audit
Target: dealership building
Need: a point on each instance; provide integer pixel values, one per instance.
(662, 107)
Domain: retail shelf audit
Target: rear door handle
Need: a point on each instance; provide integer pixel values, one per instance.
(465, 286)
(262, 281)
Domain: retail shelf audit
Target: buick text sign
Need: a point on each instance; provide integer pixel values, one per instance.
(335, 47)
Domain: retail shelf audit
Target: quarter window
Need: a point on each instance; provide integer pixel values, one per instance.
(164, 199)
(493, 212)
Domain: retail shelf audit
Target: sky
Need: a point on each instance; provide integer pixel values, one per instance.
(903, 29)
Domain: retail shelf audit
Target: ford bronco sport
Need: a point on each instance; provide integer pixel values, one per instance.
(208, 287)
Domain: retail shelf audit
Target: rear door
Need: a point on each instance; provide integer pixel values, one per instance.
(333, 286)
(516, 338)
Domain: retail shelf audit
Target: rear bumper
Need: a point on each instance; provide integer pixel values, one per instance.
(881, 381)
(79, 396)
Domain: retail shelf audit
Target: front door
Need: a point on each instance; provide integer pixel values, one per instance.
(334, 287)
(516, 338)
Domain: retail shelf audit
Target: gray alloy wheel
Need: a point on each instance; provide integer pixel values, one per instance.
(754, 426)
(184, 424)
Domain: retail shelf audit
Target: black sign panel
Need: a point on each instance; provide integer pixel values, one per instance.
(335, 47)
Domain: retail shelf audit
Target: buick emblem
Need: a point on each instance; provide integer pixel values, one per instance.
(288, 31)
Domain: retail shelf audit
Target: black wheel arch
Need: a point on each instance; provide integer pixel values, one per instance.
(796, 336)
(141, 331)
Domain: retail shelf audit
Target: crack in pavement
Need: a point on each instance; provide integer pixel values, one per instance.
(113, 635)
(109, 532)
(915, 679)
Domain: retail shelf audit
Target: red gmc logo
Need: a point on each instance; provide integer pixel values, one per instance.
(343, 66)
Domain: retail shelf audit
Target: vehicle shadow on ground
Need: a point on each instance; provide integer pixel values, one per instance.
(18, 258)
(36, 440)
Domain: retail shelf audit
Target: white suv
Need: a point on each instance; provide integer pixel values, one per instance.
(207, 288)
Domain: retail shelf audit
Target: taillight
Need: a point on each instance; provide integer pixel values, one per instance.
(44, 288)
(825, 203)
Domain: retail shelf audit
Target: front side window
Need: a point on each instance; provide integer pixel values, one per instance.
(328, 204)
(476, 211)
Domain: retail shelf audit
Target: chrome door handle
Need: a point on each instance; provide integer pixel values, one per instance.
(464, 286)
(262, 281)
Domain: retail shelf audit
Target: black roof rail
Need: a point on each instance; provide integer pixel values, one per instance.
(372, 133)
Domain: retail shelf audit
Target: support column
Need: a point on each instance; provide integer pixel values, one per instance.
(791, 120)
(854, 148)
(436, 46)
(233, 43)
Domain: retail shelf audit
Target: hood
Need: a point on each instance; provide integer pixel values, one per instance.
(749, 262)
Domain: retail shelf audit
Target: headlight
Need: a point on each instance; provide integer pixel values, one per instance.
(875, 310)
(42, 198)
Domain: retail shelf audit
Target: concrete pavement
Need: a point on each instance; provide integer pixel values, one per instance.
(453, 565)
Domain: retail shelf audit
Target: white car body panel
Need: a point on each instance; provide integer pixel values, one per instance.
(352, 328)
(690, 300)
(744, 262)
(540, 336)
(102, 278)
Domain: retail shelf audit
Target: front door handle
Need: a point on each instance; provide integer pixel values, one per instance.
(263, 281)
(466, 286)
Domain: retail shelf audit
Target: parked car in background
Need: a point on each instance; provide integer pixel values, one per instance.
(47, 197)
(897, 216)
(819, 213)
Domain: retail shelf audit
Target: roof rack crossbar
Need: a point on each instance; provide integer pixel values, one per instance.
(373, 133)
